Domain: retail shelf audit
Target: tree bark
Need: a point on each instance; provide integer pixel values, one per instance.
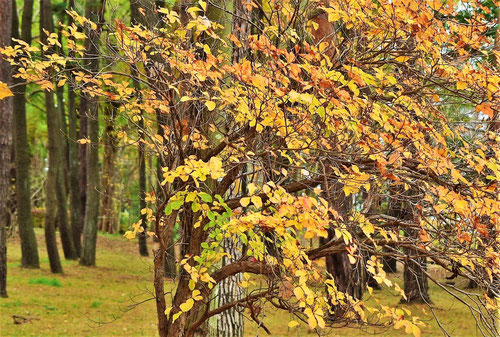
(416, 286)
(107, 222)
(6, 106)
(51, 203)
(94, 11)
(143, 247)
(390, 264)
(348, 277)
(74, 170)
(29, 247)
(82, 155)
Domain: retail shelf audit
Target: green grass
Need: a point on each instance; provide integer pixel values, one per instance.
(53, 282)
(102, 301)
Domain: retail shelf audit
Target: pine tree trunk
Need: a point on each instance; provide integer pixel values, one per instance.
(74, 178)
(6, 107)
(94, 11)
(29, 247)
(75, 207)
(143, 247)
(107, 221)
(51, 202)
(82, 155)
(62, 202)
(416, 286)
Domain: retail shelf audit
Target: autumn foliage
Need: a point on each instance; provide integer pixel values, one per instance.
(295, 151)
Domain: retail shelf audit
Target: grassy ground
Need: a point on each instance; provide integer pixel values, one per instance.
(102, 301)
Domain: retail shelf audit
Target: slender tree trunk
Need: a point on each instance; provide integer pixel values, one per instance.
(62, 206)
(74, 177)
(51, 203)
(82, 155)
(29, 247)
(6, 106)
(75, 201)
(107, 221)
(94, 11)
(143, 247)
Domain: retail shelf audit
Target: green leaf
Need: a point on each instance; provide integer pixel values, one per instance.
(206, 197)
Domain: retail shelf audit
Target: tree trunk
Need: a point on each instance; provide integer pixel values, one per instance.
(348, 277)
(416, 286)
(107, 222)
(143, 247)
(74, 177)
(62, 205)
(390, 264)
(6, 106)
(229, 322)
(82, 155)
(51, 202)
(29, 247)
(94, 11)
(75, 201)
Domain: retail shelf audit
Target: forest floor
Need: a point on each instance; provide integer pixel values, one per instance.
(107, 300)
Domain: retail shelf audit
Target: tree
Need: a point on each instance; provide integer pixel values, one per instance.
(108, 216)
(5, 138)
(29, 247)
(94, 10)
(75, 184)
(52, 190)
(299, 118)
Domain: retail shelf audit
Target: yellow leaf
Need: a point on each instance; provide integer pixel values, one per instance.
(210, 105)
(416, 331)
(61, 82)
(244, 202)
(167, 311)
(203, 5)
(83, 141)
(252, 188)
(5, 91)
(402, 58)
(256, 201)
(461, 85)
(321, 322)
(312, 322)
(176, 315)
(292, 324)
(185, 98)
(186, 306)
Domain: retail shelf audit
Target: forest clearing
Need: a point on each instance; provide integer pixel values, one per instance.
(102, 303)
